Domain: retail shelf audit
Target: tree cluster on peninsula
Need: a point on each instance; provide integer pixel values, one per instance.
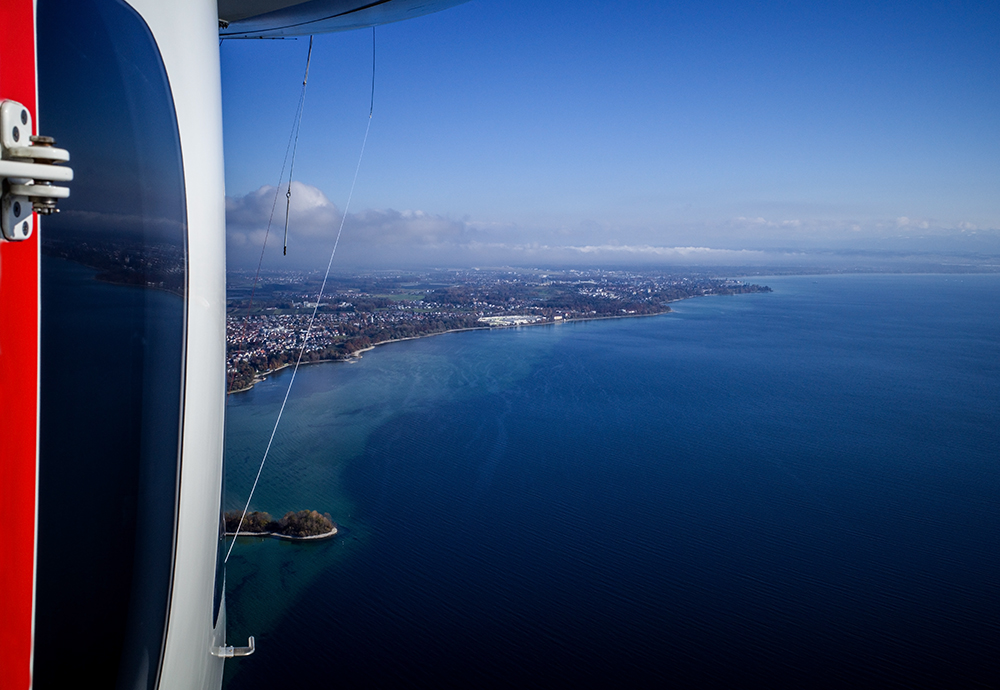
(304, 523)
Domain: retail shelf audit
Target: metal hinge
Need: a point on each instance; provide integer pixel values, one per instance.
(229, 652)
(28, 167)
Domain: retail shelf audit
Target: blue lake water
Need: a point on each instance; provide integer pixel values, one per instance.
(799, 488)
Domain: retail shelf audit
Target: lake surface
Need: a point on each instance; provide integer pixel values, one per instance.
(799, 488)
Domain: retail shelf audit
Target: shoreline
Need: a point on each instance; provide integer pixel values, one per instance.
(357, 353)
(288, 537)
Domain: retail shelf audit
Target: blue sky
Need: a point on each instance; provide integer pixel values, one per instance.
(532, 133)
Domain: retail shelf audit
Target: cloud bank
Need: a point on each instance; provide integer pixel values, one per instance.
(389, 238)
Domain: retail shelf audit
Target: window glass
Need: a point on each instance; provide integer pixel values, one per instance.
(112, 357)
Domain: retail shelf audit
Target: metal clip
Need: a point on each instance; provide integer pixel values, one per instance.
(229, 652)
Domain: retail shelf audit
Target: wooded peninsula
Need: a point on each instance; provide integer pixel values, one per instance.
(304, 524)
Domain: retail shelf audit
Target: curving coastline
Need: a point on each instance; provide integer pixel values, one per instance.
(289, 537)
(370, 311)
(357, 353)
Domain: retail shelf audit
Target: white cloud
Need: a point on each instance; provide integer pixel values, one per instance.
(309, 212)
(667, 252)
(907, 222)
(313, 224)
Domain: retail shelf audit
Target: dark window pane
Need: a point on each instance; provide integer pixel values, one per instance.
(112, 359)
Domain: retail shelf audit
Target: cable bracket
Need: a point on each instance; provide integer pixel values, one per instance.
(29, 165)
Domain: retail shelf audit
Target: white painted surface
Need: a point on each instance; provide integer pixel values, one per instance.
(186, 32)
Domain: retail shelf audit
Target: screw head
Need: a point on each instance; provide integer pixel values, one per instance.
(24, 228)
(17, 134)
(24, 117)
(17, 209)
